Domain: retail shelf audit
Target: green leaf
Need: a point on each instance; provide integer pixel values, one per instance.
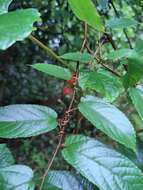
(86, 184)
(63, 180)
(6, 158)
(16, 177)
(26, 120)
(4, 4)
(16, 25)
(83, 78)
(102, 165)
(134, 72)
(136, 158)
(139, 46)
(86, 11)
(119, 54)
(53, 70)
(103, 82)
(136, 95)
(121, 23)
(51, 187)
(77, 56)
(108, 119)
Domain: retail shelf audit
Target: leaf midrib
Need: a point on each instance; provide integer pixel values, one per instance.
(110, 122)
(102, 165)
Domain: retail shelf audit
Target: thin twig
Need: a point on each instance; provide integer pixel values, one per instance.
(58, 146)
(50, 52)
(72, 101)
(111, 70)
(111, 41)
(78, 125)
(88, 49)
(139, 131)
(72, 110)
(85, 37)
(128, 39)
(52, 160)
(95, 53)
(82, 46)
(124, 30)
(60, 141)
(67, 112)
(101, 62)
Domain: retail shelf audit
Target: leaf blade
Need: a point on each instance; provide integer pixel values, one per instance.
(16, 177)
(77, 56)
(53, 70)
(121, 53)
(16, 26)
(86, 11)
(136, 95)
(4, 4)
(109, 120)
(121, 23)
(6, 158)
(101, 165)
(26, 120)
(103, 82)
(134, 72)
(62, 180)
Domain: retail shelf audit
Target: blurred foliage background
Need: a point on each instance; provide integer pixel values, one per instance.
(61, 31)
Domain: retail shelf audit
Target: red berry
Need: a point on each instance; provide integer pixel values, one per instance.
(73, 79)
(67, 90)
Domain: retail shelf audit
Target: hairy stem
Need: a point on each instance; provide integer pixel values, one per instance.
(70, 107)
(62, 131)
(50, 52)
(52, 160)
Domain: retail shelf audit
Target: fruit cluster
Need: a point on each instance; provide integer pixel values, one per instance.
(67, 90)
